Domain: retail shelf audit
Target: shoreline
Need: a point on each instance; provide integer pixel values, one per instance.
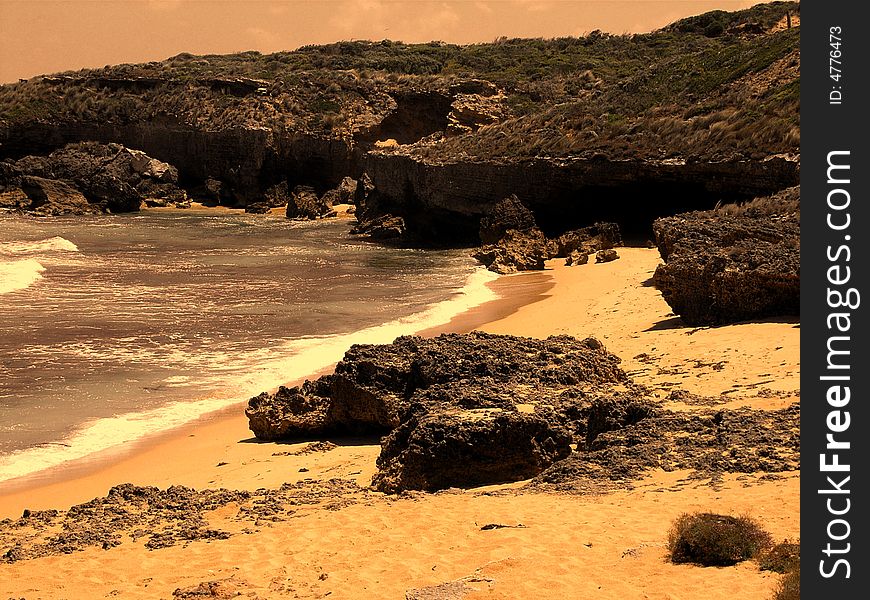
(138, 461)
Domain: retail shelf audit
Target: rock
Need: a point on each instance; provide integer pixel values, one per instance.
(469, 112)
(603, 256)
(600, 236)
(723, 268)
(211, 191)
(49, 197)
(516, 251)
(152, 168)
(387, 227)
(344, 193)
(110, 177)
(14, 199)
(509, 213)
(709, 442)
(467, 448)
(577, 258)
(534, 395)
(305, 204)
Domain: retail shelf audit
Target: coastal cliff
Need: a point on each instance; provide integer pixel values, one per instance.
(580, 129)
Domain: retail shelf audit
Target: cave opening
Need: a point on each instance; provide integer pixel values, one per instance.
(417, 115)
(633, 206)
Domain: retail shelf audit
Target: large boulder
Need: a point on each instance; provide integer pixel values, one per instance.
(732, 264)
(49, 197)
(508, 406)
(466, 448)
(505, 215)
(343, 193)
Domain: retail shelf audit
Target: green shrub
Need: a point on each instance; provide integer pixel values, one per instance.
(711, 539)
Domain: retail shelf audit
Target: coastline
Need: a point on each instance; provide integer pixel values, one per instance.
(362, 544)
(154, 458)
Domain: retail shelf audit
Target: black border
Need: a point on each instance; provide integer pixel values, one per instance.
(827, 127)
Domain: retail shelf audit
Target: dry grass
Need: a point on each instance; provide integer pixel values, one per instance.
(711, 539)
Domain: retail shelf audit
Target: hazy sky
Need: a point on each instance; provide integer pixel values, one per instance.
(46, 36)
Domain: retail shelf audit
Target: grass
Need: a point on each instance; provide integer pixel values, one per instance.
(683, 91)
(710, 539)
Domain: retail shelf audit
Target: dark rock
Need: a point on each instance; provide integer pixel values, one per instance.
(722, 268)
(603, 256)
(211, 191)
(503, 216)
(588, 240)
(305, 204)
(110, 177)
(467, 448)
(50, 197)
(344, 193)
(387, 227)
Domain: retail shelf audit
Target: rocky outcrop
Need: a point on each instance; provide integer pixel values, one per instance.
(343, 193)
(513, 242)
(732, 264)
(49, 197)
(456, 409)
(304, 203)
(503, 216)
(515, 251)
(90, 177)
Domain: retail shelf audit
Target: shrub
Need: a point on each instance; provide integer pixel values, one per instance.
(711, 539)
(789, 587)
(782, 558)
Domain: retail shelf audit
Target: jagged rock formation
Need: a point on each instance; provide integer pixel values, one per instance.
(513, 242)
(577, 144)
(89, 177)
(458, 409)
(734, 263)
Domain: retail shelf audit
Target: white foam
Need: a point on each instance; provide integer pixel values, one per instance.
(19, 274)
(54, 244)
(271, 367)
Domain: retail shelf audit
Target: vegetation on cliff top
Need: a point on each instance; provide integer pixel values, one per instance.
(715, 86)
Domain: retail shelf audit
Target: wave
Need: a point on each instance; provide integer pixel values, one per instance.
(290, 361)
(19, 274)
(54, 244)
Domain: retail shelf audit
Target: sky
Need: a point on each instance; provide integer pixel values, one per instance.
(47, 36)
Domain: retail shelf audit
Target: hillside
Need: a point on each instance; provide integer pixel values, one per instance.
(676, 105)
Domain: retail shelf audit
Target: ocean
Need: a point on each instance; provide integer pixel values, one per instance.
(116, 327)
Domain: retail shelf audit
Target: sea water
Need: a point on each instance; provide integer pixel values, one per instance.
(116, 327)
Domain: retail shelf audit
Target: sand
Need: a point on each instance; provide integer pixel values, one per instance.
(369, 545)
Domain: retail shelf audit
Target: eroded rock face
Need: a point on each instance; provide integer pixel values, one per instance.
(483, 396)
(723, 268)
(110, 178)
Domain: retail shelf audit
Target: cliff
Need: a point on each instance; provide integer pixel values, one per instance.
(597, 128)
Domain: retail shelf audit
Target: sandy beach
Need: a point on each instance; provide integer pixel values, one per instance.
(356, 543)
